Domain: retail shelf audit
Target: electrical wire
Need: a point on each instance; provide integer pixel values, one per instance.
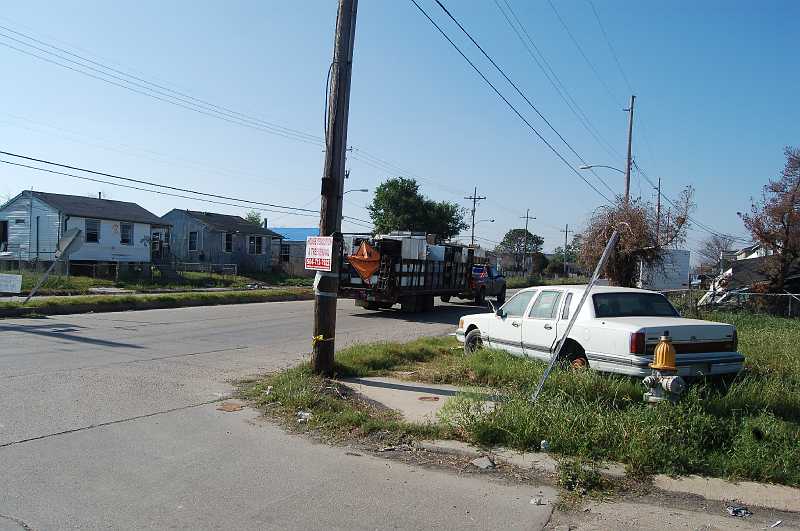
(519, 91)
(553, 78)
(509, 104)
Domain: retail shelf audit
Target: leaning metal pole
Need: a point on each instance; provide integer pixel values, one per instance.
(612, 242)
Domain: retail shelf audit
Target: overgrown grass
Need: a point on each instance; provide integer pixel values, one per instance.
(110, 303)
(333, 410)
(745, 428)
(81, 285)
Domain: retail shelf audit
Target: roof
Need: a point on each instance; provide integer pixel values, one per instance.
(596, 289)
(93, 207)
(296, 234)
(228, 223)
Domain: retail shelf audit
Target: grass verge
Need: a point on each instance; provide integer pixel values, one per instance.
(116, 303)
(746, 428)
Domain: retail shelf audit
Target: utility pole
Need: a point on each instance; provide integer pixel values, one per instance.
(630, 160)
(566, 237)
(526, 217)
(326, 284)
(475, 200)
(658, 213)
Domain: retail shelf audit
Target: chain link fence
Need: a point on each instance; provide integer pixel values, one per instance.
(696, 303)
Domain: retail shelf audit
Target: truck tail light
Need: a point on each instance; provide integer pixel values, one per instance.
(638, 343)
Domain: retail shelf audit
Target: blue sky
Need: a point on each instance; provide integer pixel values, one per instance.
(716, 86)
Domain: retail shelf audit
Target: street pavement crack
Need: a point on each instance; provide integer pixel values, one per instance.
(17, 521)
(111, 423)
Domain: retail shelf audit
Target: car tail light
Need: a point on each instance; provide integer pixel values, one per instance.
(638, 342)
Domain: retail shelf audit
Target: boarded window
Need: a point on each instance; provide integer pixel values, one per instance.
(126, 233)
(255, 245)
(92, 231)
(228, 242)
(285, 252)
(193, 240)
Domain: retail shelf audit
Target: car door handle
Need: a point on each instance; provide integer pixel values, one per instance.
(515, 324)
(548, 327)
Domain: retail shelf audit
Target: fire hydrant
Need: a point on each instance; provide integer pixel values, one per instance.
(664, 383)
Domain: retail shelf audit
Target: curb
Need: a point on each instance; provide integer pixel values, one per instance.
(111, 305)
(765, 495)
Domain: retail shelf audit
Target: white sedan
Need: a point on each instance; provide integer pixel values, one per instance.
(616, 331)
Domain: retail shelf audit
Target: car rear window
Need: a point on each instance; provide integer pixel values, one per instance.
(632, 305)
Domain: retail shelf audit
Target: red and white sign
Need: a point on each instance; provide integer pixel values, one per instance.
(319, 253)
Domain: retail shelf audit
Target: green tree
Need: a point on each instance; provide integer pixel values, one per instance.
(254, 216)
(399, 205)
(539, 263)
(517, 242)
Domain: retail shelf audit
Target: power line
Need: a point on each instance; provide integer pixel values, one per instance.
(552, 77)
(508, 103)
(583, 54)
(518, 90)
(168, 187)
(610, 46)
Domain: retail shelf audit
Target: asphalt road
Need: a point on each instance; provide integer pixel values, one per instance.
(108, 422)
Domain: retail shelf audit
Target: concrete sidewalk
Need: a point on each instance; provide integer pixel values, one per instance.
(421, 402)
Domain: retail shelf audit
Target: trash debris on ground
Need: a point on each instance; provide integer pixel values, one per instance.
(776, 524)
(544, 446)
(268, 390)
(740, 511)
(395, 448)
(484, 463)
(303, 416)
(229, 407)
(537, 501)
(429, 398)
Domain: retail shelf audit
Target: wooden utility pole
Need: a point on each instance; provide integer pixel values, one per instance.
(526, 217)
(475, 200)
(326, 284)
(566, 236)
(658, 213)
(630, 160)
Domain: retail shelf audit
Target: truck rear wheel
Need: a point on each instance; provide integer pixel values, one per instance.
(480, 298)
(445, 298)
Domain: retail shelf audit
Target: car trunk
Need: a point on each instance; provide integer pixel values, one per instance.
(689, 336)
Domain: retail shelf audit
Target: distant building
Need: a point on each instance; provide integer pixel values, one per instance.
(210, 238)
(113, 232)
(292, 253)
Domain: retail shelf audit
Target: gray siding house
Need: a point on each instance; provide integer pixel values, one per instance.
(293, 249)
(112, 231)
(209, 238)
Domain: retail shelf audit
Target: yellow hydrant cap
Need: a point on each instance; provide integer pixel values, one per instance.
(664, 355)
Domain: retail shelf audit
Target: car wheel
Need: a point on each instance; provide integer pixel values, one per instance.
(480, 299)
(473, 342)
(445, 298)
(501, 298)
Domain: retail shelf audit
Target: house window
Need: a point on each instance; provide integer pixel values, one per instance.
(255, 245)
(228, 242)
(193, 240)
(126, 233)
(92, 227)
(285, 252)
(19, 221)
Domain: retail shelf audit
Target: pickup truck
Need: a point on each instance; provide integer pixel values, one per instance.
(616, 331)
(484, 281)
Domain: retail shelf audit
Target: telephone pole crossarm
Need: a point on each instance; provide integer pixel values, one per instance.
(475, 198)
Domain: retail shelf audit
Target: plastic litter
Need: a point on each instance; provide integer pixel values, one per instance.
(739, 511)
(544, 446)
(303, 416)
(484, 463)
(776, 524)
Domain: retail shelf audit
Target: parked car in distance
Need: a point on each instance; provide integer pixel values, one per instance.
(485, 281)
(616, 331)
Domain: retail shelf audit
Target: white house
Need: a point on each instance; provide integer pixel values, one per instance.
(113, 231)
